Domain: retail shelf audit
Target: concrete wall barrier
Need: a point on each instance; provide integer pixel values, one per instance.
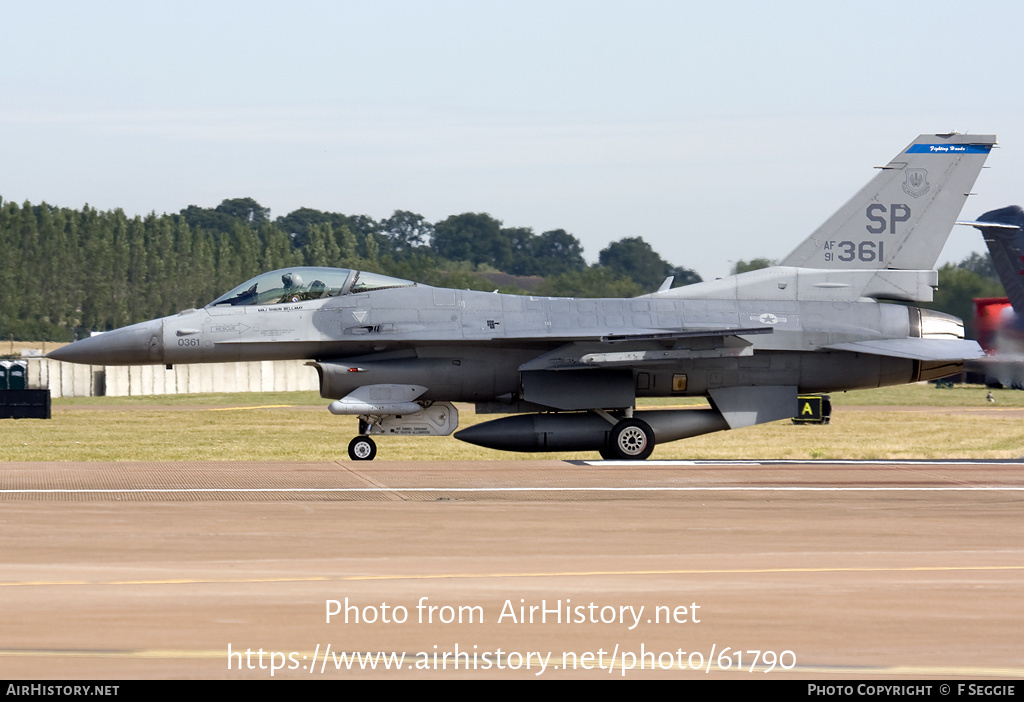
(74, 380)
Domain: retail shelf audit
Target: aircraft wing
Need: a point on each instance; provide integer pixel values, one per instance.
(647, 349)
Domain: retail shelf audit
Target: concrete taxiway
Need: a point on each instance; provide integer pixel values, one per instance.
(512, 569)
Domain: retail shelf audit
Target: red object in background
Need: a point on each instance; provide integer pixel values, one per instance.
(987, 313)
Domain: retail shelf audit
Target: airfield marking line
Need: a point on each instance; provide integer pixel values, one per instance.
(176, 581)
(564, 663)
(698, 571)
(363, 477)
(102, 653)
(905, 462)
(937, 408)
(552, 574)
(365, 490)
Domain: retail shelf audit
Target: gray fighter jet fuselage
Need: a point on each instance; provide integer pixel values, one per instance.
(398, 354)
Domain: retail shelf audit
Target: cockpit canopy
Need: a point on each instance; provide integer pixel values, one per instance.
(290, 285)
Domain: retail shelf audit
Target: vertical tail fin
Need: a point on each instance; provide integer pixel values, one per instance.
(1003, 230)
(901, 219)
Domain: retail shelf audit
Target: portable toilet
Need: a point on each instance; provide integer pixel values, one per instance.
(17, 375)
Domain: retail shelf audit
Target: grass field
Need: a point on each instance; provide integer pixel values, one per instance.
(13, 349)
(916, 421)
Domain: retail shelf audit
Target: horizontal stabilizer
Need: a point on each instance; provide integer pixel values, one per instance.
(990, 225)
(916, 349)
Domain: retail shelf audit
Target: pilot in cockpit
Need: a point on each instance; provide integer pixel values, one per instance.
(292, 287)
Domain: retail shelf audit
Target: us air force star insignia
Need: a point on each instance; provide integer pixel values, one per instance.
(769, 318)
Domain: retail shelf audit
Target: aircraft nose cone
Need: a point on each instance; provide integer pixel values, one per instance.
(138, 344)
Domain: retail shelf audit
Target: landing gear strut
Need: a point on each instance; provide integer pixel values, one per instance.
(362, 448)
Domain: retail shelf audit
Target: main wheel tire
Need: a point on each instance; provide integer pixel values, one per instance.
(362, 448)
(631, 440)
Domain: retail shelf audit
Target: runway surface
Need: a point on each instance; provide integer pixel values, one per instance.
(512, 569)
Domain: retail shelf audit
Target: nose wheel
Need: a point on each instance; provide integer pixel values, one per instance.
(362, 448)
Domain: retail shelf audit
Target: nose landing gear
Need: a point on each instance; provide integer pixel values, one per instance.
(362, 448)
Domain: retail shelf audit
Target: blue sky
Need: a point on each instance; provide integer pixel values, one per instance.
(716, 131)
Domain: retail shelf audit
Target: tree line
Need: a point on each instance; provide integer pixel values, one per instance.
(65, 272)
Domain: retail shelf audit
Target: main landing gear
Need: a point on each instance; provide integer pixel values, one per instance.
(629, 440)
(362, 448)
